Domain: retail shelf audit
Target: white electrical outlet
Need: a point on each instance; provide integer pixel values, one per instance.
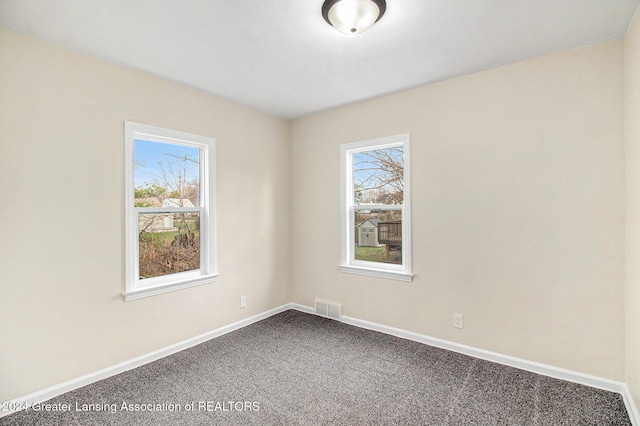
(457, 320)
(243, 302)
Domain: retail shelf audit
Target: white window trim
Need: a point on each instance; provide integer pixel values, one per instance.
(347, 226)
(134, 287)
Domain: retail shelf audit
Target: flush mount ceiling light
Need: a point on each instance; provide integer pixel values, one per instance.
(353, 16)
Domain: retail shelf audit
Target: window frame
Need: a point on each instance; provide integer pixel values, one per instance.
(135, 288)
(348, 262)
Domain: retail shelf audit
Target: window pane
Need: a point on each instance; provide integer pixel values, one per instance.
(378, 176)
(378, 236)
(166, 175)
(168, 243)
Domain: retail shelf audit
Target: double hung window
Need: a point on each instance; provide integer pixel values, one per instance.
(376, 228)
(170, 214)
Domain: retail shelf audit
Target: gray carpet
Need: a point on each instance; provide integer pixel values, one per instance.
(296, 368)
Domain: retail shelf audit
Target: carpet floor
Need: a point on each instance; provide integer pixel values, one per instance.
(300, 369)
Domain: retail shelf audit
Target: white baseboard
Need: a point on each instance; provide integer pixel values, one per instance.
(632, 409)
(302, 308)
(523, 364)
(53, 391)
(547, 370)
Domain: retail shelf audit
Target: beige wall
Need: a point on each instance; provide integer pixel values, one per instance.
(518, 210)
(62, 224)
(632, 198)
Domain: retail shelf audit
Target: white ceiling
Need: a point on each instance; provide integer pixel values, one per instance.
(281, 57)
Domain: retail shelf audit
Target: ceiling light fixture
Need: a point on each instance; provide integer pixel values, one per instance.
(353, 16)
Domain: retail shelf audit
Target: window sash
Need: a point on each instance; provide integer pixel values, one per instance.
(178, 276)
(369, 264)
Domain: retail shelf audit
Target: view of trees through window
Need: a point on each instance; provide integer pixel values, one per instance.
(166, 194)
(378, 188)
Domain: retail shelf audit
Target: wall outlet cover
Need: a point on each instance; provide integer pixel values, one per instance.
(457, 321)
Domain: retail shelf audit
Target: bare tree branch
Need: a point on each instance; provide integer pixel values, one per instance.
(379, 176)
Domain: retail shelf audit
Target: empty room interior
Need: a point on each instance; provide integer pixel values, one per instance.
(261, 212)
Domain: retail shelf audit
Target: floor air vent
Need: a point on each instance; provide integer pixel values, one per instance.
(329, 309)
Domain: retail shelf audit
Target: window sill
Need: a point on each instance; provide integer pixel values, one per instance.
(166, 288)
(379, 273)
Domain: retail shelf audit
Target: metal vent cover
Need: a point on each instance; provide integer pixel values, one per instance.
(328, 309)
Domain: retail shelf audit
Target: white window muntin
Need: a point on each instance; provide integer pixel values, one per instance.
(134, 287)
(348, 261)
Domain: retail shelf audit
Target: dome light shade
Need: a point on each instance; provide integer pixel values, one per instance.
(353, 16)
